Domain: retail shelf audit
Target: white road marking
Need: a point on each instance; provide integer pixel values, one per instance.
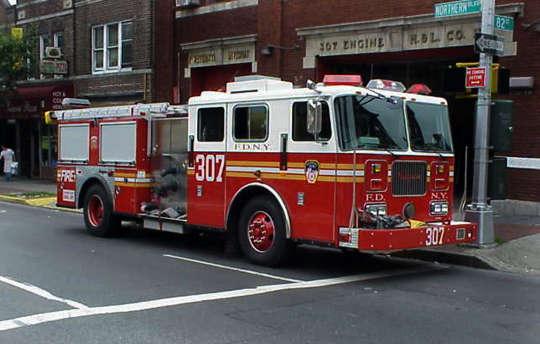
(40, 292)
(233, 268)
(190, 299)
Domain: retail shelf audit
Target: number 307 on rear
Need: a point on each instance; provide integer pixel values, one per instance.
(434, 236)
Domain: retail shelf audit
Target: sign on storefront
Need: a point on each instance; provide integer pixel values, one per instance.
(221, 55)
(368, 37)
(55, 67)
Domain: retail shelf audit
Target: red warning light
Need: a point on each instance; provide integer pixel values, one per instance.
(419, 89)
(343, 80)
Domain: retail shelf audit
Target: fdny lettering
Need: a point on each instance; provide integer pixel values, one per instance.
(259, 147)
(374, 197)
(439, 195)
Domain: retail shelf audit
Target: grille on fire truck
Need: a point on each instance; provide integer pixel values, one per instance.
(408, 178)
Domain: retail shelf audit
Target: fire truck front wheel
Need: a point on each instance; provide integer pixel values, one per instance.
(98, 214)
(261, 232)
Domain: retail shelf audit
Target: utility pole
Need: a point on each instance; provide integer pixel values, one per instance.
(479, 211)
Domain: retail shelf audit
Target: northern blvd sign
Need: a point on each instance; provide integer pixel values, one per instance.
(475, 77)
(457, 8)
(488, 44)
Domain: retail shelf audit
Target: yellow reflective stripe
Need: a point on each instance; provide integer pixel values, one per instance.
(135, 185)
(125, 174)
(253, 163)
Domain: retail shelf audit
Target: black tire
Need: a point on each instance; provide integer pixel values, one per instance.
(280, 248)
(105, 225)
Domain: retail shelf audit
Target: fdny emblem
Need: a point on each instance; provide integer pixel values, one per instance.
(312, 171)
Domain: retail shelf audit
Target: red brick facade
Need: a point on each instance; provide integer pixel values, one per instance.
(276, 23)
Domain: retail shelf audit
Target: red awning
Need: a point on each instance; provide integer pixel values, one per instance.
(32, 101)
(36, 92)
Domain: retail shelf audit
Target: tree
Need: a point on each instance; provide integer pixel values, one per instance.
(16, 61)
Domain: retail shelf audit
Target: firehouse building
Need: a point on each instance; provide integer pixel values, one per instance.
(214, 41)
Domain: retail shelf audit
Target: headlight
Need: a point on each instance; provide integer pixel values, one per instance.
(376, 209)
(438, 208)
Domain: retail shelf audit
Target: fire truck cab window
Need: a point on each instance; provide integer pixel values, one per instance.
(368, 122)
(251, 123)
(211, 124)
(299, 122)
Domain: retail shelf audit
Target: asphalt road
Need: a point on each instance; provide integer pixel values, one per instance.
(60, 285)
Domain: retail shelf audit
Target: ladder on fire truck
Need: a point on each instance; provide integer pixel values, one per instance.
(137, 110)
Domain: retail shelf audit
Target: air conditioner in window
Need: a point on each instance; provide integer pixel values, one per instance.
(187, 3)
(53, 53)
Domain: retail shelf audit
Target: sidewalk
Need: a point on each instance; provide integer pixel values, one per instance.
(39, 193)
(517, 249)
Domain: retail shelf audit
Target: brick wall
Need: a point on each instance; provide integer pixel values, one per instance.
(130, 85)
(165, 52)
(58, 19)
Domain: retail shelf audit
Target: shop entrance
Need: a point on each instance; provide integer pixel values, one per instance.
(426, 67)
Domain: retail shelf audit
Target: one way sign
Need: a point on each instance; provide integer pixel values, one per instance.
(488, 44)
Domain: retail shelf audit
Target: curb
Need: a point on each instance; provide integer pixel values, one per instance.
(44, 202)
(447, 257)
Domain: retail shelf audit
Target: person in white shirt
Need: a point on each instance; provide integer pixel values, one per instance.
(8, 155)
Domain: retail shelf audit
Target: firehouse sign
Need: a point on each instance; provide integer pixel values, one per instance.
(221, 55)
(384, 36)
(475, 78)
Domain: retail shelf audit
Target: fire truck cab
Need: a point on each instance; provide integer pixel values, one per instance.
(333, 164)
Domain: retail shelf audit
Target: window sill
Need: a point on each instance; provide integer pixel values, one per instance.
(112, 71)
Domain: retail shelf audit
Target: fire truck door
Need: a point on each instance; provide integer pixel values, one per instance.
(313, 197)
(206, 187)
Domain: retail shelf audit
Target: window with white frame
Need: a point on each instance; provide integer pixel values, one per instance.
(112, 47)
(44, 42)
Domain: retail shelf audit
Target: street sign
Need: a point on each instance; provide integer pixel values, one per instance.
(504, 23)
(488, 44)
(457, 8)
(475, 77)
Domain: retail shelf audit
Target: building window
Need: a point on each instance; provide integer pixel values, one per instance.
(112, 47)
(251, 123)
(58, 40)
(211, 125)
(44, 42)
(299, 122)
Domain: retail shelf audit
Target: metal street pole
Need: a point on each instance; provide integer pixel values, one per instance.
(479, 211)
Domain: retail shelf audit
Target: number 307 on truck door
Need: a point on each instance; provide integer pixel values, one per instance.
(209, 167)
(434, 236)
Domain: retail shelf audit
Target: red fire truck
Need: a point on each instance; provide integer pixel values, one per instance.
(333, 164)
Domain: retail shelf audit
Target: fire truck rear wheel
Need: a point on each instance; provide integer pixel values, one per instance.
(262, 234)
(98, 215)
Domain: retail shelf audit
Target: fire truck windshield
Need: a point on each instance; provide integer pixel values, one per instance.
(368, 122)
(429, 127)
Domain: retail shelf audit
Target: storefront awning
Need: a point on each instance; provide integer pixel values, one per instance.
(32, 101)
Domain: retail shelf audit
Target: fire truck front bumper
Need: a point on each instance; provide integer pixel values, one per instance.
(389, 240)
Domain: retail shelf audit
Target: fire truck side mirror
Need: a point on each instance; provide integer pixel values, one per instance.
(314, 117)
